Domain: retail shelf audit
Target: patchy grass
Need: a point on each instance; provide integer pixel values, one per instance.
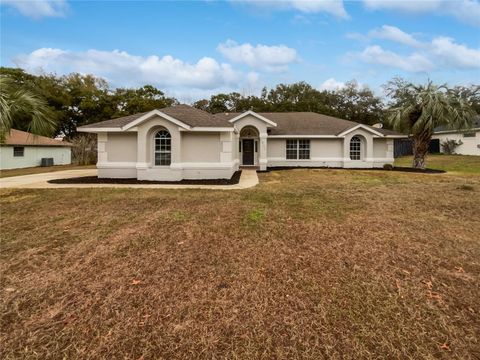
(255, 215)
(453, 163)
(309, 264)
(40, 169)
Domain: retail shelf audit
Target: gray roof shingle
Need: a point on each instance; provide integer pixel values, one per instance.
(476, 125)
(288, 123)
(306, 123)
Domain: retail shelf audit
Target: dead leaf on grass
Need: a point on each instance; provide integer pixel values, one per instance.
(428, 283)
(444, 346)
(135, 282)
(435, 296)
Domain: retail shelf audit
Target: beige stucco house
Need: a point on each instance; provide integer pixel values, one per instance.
(182, 142)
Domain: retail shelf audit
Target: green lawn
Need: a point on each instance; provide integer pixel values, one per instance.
(456, 163)
(310, 264)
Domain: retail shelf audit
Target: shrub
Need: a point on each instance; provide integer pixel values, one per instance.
(449, 146)
(388, 167)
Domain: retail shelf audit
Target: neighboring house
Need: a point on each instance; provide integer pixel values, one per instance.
(470, 138)
(182, 142)
(22, 149)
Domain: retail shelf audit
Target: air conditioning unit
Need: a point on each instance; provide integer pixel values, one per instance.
(47, 162)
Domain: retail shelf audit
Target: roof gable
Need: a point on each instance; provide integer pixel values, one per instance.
(254, 114)
(151, 114)
(279, 123)
(187, 117)
(361, 126)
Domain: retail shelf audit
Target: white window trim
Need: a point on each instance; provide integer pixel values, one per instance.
(359, 151)
(297, 148)
(155, 152)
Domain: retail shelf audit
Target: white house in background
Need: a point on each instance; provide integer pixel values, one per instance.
(22, 149)
(470, 138)
(182, 142)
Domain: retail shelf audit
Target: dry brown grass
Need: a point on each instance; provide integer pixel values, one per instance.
(41, 169)
(310, 264)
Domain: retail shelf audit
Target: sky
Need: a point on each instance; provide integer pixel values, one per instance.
(192, 49)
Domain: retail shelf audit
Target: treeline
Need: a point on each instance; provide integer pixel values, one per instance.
(351, 102)
(76, 99)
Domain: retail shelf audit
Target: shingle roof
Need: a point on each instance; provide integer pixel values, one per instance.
(17, 137)
(476, 125)
(187, 114)
(306, 123)
(117, 122)
(194, 117)
(288, 123)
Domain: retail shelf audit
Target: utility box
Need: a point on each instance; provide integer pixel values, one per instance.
(46, 162)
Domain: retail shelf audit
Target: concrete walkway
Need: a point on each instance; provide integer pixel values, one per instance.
(248, 179)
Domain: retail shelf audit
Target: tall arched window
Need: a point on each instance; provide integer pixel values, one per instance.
(163, 148)
(355, 148)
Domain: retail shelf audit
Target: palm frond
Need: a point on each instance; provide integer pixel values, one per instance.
(15, 101)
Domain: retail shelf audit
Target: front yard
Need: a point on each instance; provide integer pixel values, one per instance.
(309, 264)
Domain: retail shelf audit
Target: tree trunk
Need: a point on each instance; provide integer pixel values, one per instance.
(420, 150)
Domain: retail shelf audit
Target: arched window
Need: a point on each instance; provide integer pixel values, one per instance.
(163, 148)
(355, 148)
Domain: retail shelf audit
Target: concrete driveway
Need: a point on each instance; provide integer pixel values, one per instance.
(248, 179)
(40, 180)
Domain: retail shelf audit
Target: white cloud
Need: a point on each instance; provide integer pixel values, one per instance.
(333, 7)
(414, 6)
(332, 84)
(38, 8)
(439, 53)
(394, 34)
(356, 36)
(264, 57)
(457, 55)
(413, 63)
(124, 69)
(467, 11)
(252, 78)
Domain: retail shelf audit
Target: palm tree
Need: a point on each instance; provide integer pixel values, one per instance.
(419, 109)
(16, 101)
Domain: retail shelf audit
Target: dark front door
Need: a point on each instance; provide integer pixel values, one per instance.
(248, 152)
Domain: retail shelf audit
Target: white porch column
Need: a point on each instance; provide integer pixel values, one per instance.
(369, 149)
(263, 151)
(142, 160)
(390, 149)
(102, 156)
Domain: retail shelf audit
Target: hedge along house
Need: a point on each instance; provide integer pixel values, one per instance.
(21, 149)
(182, 142)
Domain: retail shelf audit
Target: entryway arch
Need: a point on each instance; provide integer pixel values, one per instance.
(249, 146)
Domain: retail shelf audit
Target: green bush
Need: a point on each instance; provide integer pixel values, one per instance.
(449, 146)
